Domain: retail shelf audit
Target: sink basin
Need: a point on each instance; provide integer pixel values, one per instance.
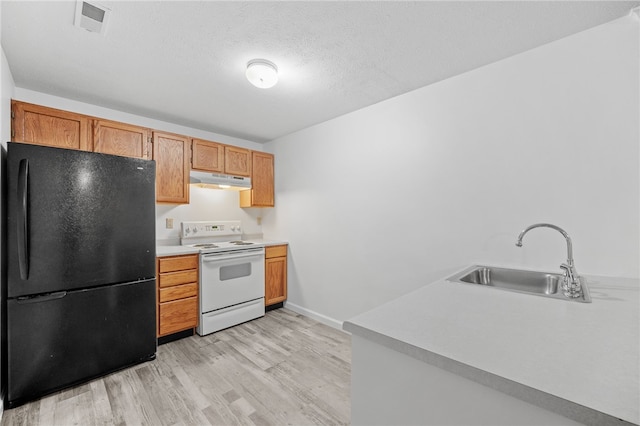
(531, 282)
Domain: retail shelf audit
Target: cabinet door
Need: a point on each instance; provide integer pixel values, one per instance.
(208, 156)
(110, 137)
(261, 193)
(275, 280)
(171, 153)
(48, 126)
(262, 179)
(178, 315)
(237, 161)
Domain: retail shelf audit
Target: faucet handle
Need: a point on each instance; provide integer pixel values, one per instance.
(568, 271)
(571, 285)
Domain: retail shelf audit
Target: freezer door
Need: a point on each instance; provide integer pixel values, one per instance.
(77, 219)
(62, 339)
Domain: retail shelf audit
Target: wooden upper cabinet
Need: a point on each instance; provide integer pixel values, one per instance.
(51, 127)
(111, 137)
(207, 156)
(174, 154)
(171, 153)
(237, 161)
(261, 193)
(219, 158)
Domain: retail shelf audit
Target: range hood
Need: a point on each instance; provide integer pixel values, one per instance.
(219, 181)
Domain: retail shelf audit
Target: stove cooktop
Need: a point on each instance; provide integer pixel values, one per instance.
(222, 244)
(211, 236)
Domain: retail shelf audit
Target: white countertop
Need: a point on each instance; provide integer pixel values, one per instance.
(581, 359)
(177, 250)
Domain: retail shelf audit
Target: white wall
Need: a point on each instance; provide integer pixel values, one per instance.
(6, 93)
(391, 197)
(206, 204)
(5, 101)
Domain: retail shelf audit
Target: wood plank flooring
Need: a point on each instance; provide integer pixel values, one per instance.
(282, 369)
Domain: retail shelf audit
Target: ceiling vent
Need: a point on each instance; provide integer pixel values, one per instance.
(92, 16)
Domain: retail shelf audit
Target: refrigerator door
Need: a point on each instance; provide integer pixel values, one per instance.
(69, 337)
(77, 219)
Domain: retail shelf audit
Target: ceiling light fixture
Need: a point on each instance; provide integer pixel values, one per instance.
(262, 73)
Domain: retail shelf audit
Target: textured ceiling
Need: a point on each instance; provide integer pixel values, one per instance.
(184, 62)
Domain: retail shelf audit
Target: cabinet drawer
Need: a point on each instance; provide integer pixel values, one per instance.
(178, 292)
(275, 251)
(178, 315)
(177, 278)
(178, 263)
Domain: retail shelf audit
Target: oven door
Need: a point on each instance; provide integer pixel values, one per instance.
(230, 278)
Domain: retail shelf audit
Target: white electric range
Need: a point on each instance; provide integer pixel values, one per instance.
(231, 274)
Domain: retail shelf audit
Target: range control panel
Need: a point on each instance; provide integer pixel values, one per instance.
(210, 229)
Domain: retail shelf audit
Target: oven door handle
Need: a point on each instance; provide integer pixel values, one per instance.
(218, 257)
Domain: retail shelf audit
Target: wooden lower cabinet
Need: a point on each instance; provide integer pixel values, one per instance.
(177, 293)
(275, 274)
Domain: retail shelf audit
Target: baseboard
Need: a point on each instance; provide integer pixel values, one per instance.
(175, 336)
(316, 316)
(272, 307)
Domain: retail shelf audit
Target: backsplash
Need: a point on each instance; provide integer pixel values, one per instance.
(206, 204)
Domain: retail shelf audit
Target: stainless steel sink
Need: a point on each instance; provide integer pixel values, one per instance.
(531, 282)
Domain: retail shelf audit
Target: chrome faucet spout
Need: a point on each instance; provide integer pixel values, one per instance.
(573, 286)
(557, 228)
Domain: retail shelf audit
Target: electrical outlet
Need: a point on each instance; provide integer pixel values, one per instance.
(169, 223)
(259, 221)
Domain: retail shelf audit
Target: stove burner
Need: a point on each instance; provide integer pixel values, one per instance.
(240, 243)
(205, 245)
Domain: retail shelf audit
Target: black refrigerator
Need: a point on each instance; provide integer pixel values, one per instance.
(80, 296)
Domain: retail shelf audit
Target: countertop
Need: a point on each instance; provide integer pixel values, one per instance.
(175, 249)
(578, 359)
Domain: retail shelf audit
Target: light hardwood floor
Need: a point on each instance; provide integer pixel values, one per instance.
(282, 369)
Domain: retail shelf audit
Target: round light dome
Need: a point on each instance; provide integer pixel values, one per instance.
(262, 73)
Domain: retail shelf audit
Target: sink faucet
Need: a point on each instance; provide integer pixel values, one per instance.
(572, 285)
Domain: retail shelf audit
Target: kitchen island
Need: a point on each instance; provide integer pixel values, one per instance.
(453, 353)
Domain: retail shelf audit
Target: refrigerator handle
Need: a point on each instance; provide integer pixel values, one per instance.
(23, 218)
(43, 298)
